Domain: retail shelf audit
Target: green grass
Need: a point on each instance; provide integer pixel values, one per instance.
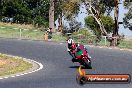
(58, 37)
(91, 40)
(102, 43)
(32, 34)
(12, 32)
(84, 40)
(125, 44)
(12, 65)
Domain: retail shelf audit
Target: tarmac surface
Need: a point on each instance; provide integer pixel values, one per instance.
(58, 70)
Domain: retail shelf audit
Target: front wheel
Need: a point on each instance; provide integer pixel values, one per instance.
(87, 63)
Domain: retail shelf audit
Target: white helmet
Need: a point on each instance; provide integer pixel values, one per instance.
(70, 41)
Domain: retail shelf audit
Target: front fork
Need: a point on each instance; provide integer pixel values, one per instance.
(88, 58)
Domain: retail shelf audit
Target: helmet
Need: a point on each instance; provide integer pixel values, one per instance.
(70, 41)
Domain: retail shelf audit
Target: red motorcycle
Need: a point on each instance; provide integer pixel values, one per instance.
(81, 55)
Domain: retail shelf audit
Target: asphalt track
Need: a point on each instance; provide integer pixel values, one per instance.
(59, 71)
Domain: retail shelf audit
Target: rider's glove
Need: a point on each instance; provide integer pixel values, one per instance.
(68, 49)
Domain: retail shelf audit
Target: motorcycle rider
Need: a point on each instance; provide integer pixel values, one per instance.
(71, 48)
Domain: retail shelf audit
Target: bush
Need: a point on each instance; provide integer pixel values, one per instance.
(40, 22)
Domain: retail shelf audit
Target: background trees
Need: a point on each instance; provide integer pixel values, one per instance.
(67, 10)
(100, 7)
(128, 16)
(107, 21)
(97, 8)
(25, 11)
(44, 13)
(38, 12)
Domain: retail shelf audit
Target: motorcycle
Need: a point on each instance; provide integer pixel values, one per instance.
(81, 55)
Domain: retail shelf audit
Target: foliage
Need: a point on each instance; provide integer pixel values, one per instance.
(107, 21)
(70, 8)
(25, 11)
(73, 26)
(92, 24)
(84, 31)
(40, 21)
(102, 6)
(106, 6)
(127, 20)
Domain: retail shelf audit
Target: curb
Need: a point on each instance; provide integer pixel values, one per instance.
(29, 71)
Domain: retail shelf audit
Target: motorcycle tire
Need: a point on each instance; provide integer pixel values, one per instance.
(87, 64)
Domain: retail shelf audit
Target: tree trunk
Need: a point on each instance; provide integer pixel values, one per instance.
(114, 40)
(115, 36)
(60, 27)
(96, 16)
(51, 16)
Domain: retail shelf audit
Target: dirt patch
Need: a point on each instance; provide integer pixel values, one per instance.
(5, 61)
(2, 62)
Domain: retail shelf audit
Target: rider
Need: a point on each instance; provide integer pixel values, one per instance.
(71, 47)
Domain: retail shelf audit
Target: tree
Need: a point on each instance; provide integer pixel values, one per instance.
(58, 11)
(1, 6)
(26, 11)
(128, 16)
(66, 9)
(71, 8)
(107, 21)
(74, 26)
(51, 15)
(40, 12)
(16, 10)
(97, 8)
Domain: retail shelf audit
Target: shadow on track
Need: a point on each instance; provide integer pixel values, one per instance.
(76, 67)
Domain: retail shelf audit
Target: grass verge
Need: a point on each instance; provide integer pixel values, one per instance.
(12, 65)
(125, 44)
(13, 32)
(8, 30)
